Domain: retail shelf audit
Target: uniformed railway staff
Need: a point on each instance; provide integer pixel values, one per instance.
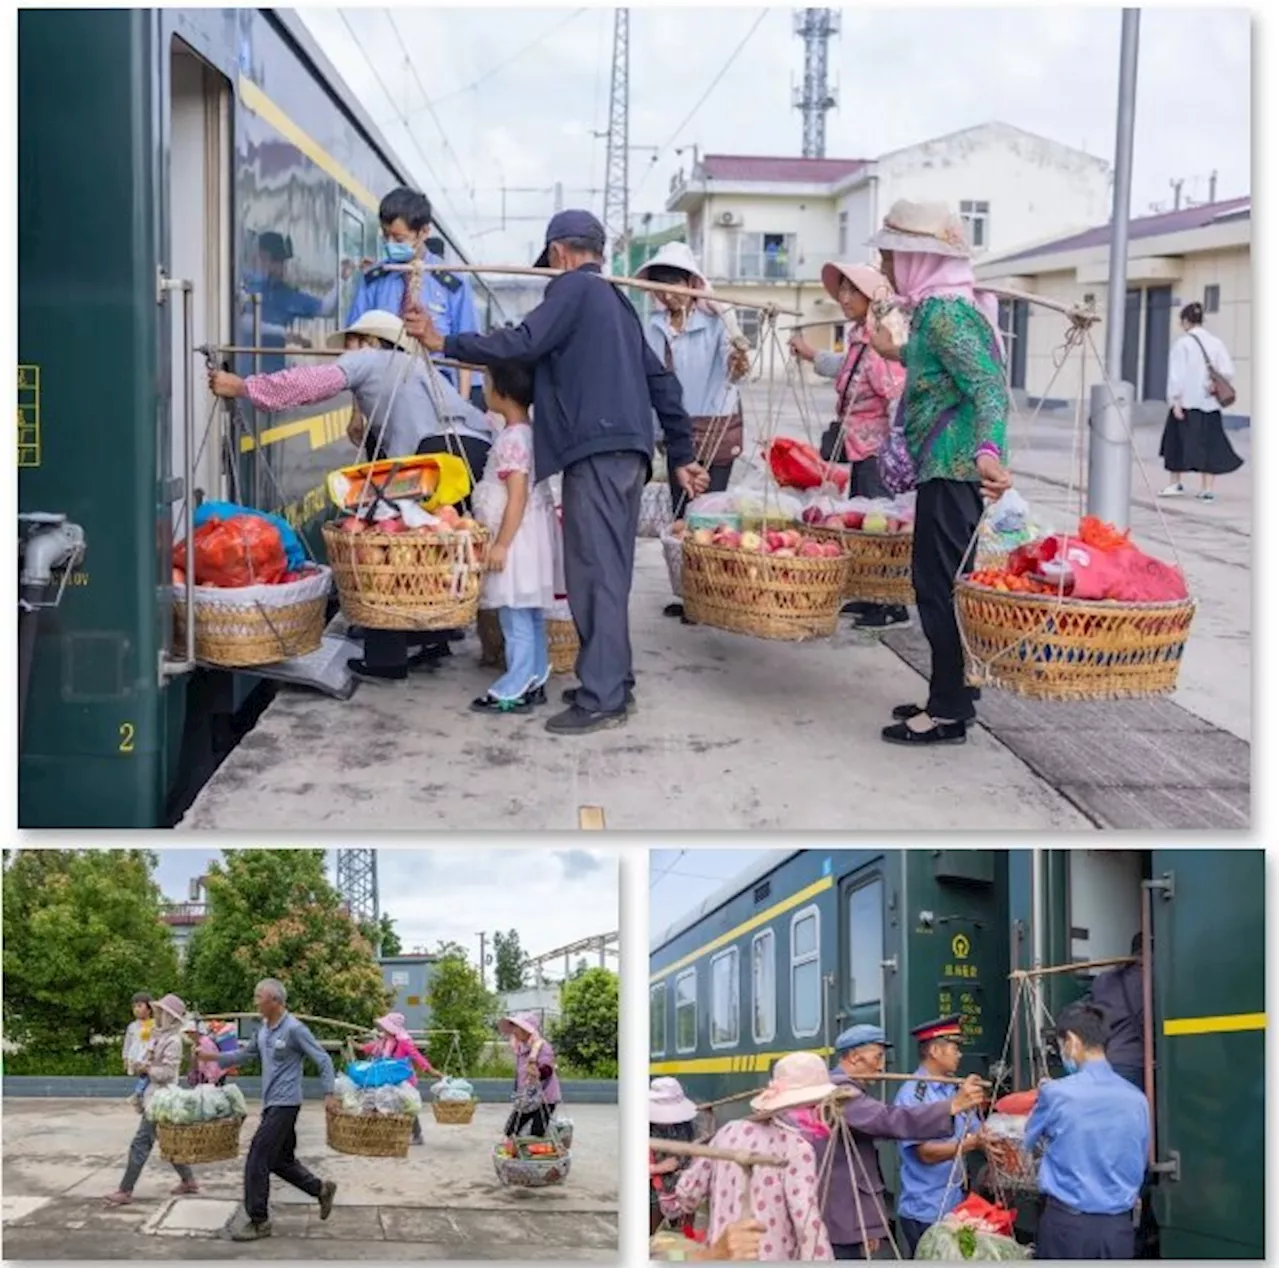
(1096, 1129)
(280, 303)
(930, 1182)
(855, 1207)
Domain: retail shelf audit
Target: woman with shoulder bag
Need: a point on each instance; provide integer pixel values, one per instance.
(868, 387)
(1200, 373)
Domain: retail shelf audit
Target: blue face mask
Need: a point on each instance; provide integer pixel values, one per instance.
(398, 252)
(1070, 1065)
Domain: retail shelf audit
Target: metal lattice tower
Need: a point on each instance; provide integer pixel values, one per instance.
(815, 27)
(358, 884)
(617, 147)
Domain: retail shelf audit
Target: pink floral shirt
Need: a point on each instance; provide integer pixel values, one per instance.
(783, 1199)
(868, 388)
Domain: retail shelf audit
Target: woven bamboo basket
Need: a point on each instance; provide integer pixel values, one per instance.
(255, 625)
(455, 1113)
(562, 642)
(789, 599)
(879, 566)
(673, 553)
(523, 1172)
(368, 1135)
(214, 1141)
(1048, 648)
(407, 581)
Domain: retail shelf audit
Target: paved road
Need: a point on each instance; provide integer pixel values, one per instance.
(442, 1202)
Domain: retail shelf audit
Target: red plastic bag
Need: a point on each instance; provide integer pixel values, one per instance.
(1018, 1102)
(1125, 574)
(244, 550)
(1000, 1218)
(796, 465)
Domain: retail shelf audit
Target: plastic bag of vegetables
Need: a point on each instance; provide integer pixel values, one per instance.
(383, 1072)
(448, 1089)
(952, 1240)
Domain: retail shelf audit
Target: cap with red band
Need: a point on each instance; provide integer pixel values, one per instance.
(939, 1028)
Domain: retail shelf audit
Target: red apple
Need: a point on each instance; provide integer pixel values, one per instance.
(853, 520)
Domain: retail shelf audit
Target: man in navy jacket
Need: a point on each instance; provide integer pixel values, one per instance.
(597, 385)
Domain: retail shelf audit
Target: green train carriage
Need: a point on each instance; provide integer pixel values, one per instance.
(810, 942)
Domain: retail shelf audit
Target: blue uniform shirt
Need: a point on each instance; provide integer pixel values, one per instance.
(450, 305)
(923, 1194)
(1096, 1128)
(281, 305)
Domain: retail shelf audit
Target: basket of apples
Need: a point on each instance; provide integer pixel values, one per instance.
(411, 570)
(786, 584)
(879, 544)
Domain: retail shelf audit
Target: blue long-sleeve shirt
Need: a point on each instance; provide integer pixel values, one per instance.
(1096, 1127)
(281, 1049)
(596, 381)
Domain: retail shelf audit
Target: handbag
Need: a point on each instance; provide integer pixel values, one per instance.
(1220, 387)
(831, 437)
(894, 463)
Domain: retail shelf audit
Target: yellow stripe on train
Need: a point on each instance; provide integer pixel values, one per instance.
(321, 429)
(739, 1063)
(1233, 1023)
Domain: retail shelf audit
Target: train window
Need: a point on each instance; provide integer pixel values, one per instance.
(764, 987)
(866, 942)
(658, 1019)
(687, 1011)
(806, 974)
(726, 987)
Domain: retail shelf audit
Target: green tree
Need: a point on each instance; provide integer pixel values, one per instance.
(273, 913)
(459, 1001)
(82, 933)
(387, 940)
(510, 961)
(586, 1035)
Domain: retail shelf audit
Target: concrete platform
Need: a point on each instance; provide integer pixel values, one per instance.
(442, 1202)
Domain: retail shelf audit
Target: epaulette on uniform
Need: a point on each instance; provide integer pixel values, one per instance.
(450, 281)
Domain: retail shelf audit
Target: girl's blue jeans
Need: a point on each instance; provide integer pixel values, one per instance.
(141, 1085)
(524, 639)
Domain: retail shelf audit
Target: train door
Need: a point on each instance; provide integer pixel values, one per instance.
(861, 992)
(1208, 915)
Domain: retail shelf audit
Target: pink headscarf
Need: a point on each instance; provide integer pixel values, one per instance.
(922, 276)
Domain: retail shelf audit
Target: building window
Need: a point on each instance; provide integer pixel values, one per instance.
(749, 324)
(806, 974)
(658, 1019)
(977, 220)
(842, 247)
(1212, 298)
(687, 1011)
(866, 942)
(764, 987)
(765, 256)
(725, 990)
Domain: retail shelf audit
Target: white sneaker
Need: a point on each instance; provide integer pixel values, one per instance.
(1172, 491)
(1205, 495)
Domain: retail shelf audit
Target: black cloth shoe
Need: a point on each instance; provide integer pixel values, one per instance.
(904, 712)
(377, 673)
(855, 608)
(491, 704)
(876, 616)
(939, 733)
(570, 697)
(535, 695)
(327, 1191)
(673, 609)
(575, 721)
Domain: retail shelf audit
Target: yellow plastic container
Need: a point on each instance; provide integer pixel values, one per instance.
(434, 479)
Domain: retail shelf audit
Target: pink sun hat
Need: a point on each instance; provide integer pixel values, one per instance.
(393, 1024)
(799, 1078)
(862, 277)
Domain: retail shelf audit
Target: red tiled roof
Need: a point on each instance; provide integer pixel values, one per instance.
(746, 167)
(1146, 227)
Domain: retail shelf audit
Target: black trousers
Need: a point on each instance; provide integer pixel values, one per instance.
(910, 1231)
(601, 514)
(476, 451)
(1064, 1234)
(853, 1250)
(719, 482)
(271, 1152)
(532, 1124)
(947, 515)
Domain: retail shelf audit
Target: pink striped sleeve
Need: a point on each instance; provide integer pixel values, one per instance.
(299, 385)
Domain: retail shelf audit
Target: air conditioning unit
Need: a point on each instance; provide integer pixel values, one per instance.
(728, 220)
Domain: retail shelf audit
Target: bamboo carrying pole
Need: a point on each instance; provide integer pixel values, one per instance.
(740, 1156)
(845, 1093)
(635, 283)
(238, 349)
(1052, 969)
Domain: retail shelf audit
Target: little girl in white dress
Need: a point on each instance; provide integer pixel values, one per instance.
(524, 544)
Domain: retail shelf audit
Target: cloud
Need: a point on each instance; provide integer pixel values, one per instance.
(579, 863)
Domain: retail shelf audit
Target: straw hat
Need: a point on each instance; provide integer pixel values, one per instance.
(174, 1006)
(673, 255)
(668, 1103)
(393, 1024)
(862, 277)
(925, 228)
(379, 324)
(799, 1078)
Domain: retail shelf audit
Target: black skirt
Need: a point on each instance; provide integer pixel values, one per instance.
(1198, 442)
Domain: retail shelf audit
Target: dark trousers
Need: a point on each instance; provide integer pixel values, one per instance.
(475, 451)
(271, 1152)
(910, 1232)
(1063, 1234)
(854, 1250)
(601, 514)
(140, 1150)
(719, 482)
(534, 1123)
(947, 514)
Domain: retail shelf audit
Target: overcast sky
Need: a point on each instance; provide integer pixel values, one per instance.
(680, 880)
(513, 95)
(552, 897)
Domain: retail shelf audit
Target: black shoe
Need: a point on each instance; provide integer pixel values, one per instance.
(377, 673)
(673, 609)
(878, 617)
(327, 1191)
(455, 636)
(535, 695)
(855, 608)
(570, 697)
(430, 654)
(575, 721)
(905, 712)
(939, 733)
(491, 704)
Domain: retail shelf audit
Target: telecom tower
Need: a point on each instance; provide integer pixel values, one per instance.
(815, 27)
(358, 885)
(617, 139)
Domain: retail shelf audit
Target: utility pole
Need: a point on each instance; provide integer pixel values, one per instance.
(1110, 442)
(815, 27)
(1177, 192)
(617, 148)
(482, 938)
